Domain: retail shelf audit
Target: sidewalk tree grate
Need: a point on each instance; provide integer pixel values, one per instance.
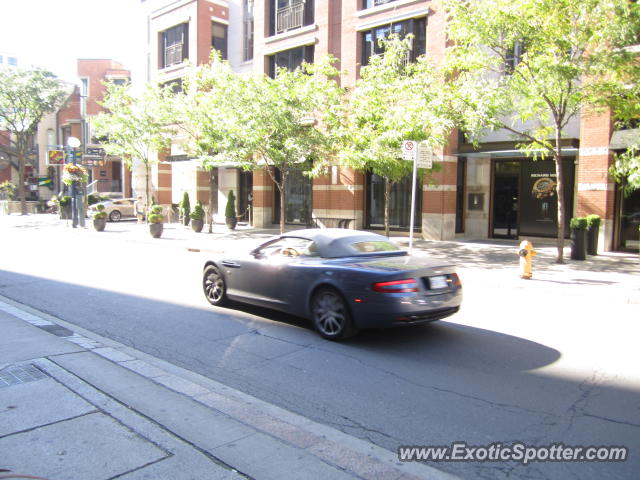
(15, 375)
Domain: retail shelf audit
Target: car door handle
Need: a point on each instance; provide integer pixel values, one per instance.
(230, 264)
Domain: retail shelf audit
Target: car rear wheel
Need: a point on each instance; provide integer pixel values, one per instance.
(214, 286)
(330, 315)
(115, 216)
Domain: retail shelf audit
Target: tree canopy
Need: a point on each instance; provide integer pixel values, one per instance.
(136, 127)
(394, 100)
(528, 67)
(25, 97)
(257, 122)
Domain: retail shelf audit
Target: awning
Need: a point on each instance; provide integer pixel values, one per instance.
(623, 139)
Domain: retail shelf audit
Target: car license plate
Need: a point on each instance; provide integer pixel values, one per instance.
(438, 282)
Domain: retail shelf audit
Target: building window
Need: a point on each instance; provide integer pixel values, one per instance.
(399, 203)
(247, 37)
(290, 59)
(290, 14)
(174, 85)
(174, 45)
(1, 60)
(121, 82)
(416, 26)
(219, 38)
(374, 3)
(513, 57)
(12, 61)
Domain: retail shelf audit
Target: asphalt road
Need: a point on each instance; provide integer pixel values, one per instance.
(540, 365)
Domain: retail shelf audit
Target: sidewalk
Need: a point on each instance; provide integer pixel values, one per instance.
(77, 406)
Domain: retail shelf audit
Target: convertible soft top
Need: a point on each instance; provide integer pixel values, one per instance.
(339, 242)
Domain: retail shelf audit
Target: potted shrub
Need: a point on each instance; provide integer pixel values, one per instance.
(230, 211)
(578, 238)
(197, 218)
(64, 207)
(185, 209)
(100, 218)
(593, 227)
(156, 219)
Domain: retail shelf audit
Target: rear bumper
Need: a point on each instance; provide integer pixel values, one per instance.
(394, 311)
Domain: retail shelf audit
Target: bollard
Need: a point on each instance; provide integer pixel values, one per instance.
(526, 254)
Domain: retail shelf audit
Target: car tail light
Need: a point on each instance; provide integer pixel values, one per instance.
(454, 279)
(396, 286)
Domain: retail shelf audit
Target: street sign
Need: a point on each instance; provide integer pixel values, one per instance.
(409, 150)
(97, 153)
(55, 157)
(425, 156)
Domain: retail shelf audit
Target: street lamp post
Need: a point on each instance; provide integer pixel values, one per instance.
(72, 144)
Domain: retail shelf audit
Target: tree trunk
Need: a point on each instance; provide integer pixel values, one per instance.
(147, 191)
(387, 206)
(21, 145)
(21, 191)
(213, 193)
(560, 192)
(283, 208)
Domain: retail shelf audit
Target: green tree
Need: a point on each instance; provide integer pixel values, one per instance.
(206, 115)
(259, 122)
(135, 127)
(394, 100)
(528, 67)
(25, 97)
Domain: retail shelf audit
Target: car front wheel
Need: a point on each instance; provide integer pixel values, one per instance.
(115, 216)
(214, 286)
(330, 315)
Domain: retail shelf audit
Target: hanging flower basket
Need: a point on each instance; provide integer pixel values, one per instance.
(74, 173)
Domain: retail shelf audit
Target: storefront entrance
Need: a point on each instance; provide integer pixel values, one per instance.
(629, 222)
(525, 200)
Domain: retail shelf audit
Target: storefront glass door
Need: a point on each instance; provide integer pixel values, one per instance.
(505, 199)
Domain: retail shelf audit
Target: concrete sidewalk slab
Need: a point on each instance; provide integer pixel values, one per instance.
(92, 446)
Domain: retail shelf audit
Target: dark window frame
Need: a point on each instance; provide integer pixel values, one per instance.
(416, 26)
(220, 43)
(169, 38)
(366, 4)
(306, 55)
(308, 15)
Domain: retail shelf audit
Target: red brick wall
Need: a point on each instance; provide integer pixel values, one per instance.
(595, 192)
(97, 71)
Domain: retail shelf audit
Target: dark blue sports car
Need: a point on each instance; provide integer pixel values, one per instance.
(343, 280)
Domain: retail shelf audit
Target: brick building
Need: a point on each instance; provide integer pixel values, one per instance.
(107, 175)
(481, 192)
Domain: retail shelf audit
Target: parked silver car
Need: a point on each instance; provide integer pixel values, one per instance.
(118, 209)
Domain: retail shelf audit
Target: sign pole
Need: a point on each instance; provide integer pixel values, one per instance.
(413, 204)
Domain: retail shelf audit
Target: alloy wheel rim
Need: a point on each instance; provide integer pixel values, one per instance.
(329, 314)
(214, 287)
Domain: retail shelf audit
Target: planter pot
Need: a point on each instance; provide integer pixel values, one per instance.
(99, 224)
(186, 219)
(231, 222)
(592, 240)
(156, 229)
(197, 224)
(578, 244)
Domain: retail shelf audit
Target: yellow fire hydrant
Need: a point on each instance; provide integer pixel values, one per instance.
(526, 254)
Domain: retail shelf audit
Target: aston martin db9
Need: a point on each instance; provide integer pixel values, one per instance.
(343, 280)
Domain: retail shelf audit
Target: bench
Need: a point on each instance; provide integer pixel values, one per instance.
(331, 222)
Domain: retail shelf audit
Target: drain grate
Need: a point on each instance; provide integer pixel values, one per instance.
(16, 375)
(56, 330)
